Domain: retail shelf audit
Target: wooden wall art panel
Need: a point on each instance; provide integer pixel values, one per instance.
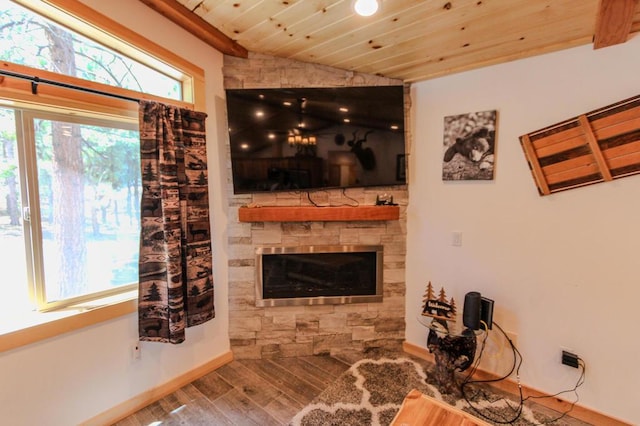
(599, 146)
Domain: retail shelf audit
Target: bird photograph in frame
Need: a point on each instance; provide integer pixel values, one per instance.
(469, 146)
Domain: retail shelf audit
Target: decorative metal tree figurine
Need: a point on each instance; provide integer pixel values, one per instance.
(453, 351)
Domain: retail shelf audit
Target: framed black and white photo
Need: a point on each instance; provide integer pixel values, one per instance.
(469, 146)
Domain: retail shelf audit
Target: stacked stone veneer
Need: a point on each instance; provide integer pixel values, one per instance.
(321, 329)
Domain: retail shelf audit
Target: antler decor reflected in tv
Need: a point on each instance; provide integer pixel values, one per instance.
(304, 139)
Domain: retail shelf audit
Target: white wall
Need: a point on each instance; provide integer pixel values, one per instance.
(562, 269)
(71, 378)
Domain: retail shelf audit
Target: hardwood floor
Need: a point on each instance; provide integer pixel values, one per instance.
(261, 392)
(244, 392)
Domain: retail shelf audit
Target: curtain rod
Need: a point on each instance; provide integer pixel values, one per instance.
(37, 80)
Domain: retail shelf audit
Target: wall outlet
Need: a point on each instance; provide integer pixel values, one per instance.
(570, 359)
(136, 351)
(456, 238)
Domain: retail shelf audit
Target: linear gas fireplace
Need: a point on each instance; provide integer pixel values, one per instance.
(318, 275)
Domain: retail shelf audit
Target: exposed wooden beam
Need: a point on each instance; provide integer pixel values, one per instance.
(197, 26)
(613, 22)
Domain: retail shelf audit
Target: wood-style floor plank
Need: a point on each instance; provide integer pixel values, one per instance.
(198, 412)
(212, 385)
(141, 417)
(243, 411)
(251, 384)
(283, 408)
(295, 387)
(312, 374)
(332, 366)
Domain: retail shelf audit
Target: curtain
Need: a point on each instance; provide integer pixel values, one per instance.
(175, 267)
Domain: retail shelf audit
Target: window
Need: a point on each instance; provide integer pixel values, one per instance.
(69, 207)
(35, 41)
(69, 165)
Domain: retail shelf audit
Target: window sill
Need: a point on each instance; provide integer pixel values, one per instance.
(29, 327)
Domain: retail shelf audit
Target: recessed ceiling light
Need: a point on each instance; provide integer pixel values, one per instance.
(259, 113)
(344, 109)
(346, 120)
(271, 136)
(286, 103)
(365, 7)
(394, 127)
(244, 146)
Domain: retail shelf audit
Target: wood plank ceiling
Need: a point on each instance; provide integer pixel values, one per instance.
(411, 40)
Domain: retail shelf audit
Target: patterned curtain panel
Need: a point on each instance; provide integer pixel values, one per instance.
(175, 271)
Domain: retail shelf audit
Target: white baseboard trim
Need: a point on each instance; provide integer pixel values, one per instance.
(140, 401)
(579, 412)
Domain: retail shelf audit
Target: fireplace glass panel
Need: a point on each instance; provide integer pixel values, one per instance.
(319, 275)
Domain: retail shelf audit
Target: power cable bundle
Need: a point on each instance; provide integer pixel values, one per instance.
(517, 362)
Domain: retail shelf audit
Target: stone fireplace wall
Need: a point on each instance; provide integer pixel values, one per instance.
(321, 329)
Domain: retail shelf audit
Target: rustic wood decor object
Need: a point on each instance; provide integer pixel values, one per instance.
(317, 214)
(601, 145)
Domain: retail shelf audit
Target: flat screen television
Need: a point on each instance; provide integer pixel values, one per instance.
(305, 139)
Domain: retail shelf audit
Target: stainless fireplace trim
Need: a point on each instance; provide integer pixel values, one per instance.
(319, 300)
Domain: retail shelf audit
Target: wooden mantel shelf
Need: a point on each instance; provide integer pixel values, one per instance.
(318, 214)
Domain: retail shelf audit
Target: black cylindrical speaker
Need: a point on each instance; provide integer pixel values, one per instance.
(471, 311)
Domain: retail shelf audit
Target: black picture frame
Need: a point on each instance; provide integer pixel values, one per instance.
(401, 167)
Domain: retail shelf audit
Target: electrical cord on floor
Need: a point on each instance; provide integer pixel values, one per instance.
(579, 383)
(517, 363)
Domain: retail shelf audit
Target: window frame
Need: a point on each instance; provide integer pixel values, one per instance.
(81, 18)
(17, 93)
(31, 198)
